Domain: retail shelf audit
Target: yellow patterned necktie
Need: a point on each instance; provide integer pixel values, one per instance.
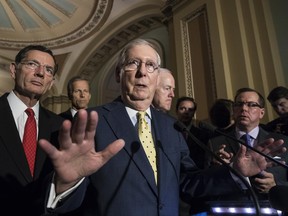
(147, 141)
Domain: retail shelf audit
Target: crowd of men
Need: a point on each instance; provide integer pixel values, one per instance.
(91, 161)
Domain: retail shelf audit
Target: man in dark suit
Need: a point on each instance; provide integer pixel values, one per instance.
(185, 110)
(248, 111)
(78, 90)
(95, 174)
(20, 189)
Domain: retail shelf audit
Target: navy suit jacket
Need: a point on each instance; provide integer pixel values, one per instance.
(125, 186)
(280, 173)
(66, 115)
(19, 192)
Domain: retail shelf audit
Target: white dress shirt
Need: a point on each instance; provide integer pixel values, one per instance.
(18, 110)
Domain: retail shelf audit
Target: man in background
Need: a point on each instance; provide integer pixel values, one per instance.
(164, 93)
(278, 98)
(78, 90)
(248, 111)
(185, 111)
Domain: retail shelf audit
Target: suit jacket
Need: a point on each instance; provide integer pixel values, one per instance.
(280, 173)
(19, 192)
(66, 115)
(196, 152)
(278, 125)
(125, 186)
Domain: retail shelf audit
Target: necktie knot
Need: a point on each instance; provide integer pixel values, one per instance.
(29, 112)
(141, 115)
(246, 138)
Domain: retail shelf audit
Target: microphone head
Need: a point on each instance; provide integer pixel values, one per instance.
(278, 196)
(206, 126)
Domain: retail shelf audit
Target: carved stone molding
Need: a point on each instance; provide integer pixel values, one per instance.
(50, 28)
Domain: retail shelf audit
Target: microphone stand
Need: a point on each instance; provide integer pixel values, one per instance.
(182, 127)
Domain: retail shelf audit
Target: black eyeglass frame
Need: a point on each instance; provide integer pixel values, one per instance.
(250, 104)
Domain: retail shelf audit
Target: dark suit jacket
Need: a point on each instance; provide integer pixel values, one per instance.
(125, 186)
(280, 173)
(19, 192)
(278, 125)
(66, 115)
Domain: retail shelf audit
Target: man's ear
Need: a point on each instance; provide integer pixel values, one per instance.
(262, 112)
(13, 70)
(117, 74)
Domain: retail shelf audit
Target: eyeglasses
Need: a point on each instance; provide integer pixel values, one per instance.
(135, 64)
(248, 104)
(33, 65)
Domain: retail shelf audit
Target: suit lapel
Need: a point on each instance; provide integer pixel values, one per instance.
(11, 140)
(44, 133)
(234, 146)
(119, 116)
(160, 139)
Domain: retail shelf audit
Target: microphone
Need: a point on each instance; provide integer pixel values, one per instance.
(278, 196)
(181, 127)
(213, 129)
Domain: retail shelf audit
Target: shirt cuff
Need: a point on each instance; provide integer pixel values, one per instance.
(53, 200)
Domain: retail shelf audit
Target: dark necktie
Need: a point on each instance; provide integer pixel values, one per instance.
(147, 141)
(247, 139)
(30, 139)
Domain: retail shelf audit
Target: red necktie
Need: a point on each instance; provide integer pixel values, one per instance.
(30, 139)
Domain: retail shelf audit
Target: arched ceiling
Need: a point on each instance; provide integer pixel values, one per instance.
(83, 34)
(50, 22)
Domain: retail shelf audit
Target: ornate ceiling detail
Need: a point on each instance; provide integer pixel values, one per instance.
(112, 45)
(52, 23)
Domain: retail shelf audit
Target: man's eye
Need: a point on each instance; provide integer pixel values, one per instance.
(32, 64)
(50, 70)
(131, 62)
(150, 64)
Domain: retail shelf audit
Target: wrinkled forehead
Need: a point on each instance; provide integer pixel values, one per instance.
(143, 52)
(247, 96)
(41, 57)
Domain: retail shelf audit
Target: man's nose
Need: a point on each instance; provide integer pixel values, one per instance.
(40, 71)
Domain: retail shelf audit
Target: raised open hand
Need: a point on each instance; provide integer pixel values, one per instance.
(76, 157)
(250, 163)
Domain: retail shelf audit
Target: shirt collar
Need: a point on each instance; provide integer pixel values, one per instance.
(18, 107)
(253, 133)
(133, 114)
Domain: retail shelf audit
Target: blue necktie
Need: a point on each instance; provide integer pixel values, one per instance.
(248, 139)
